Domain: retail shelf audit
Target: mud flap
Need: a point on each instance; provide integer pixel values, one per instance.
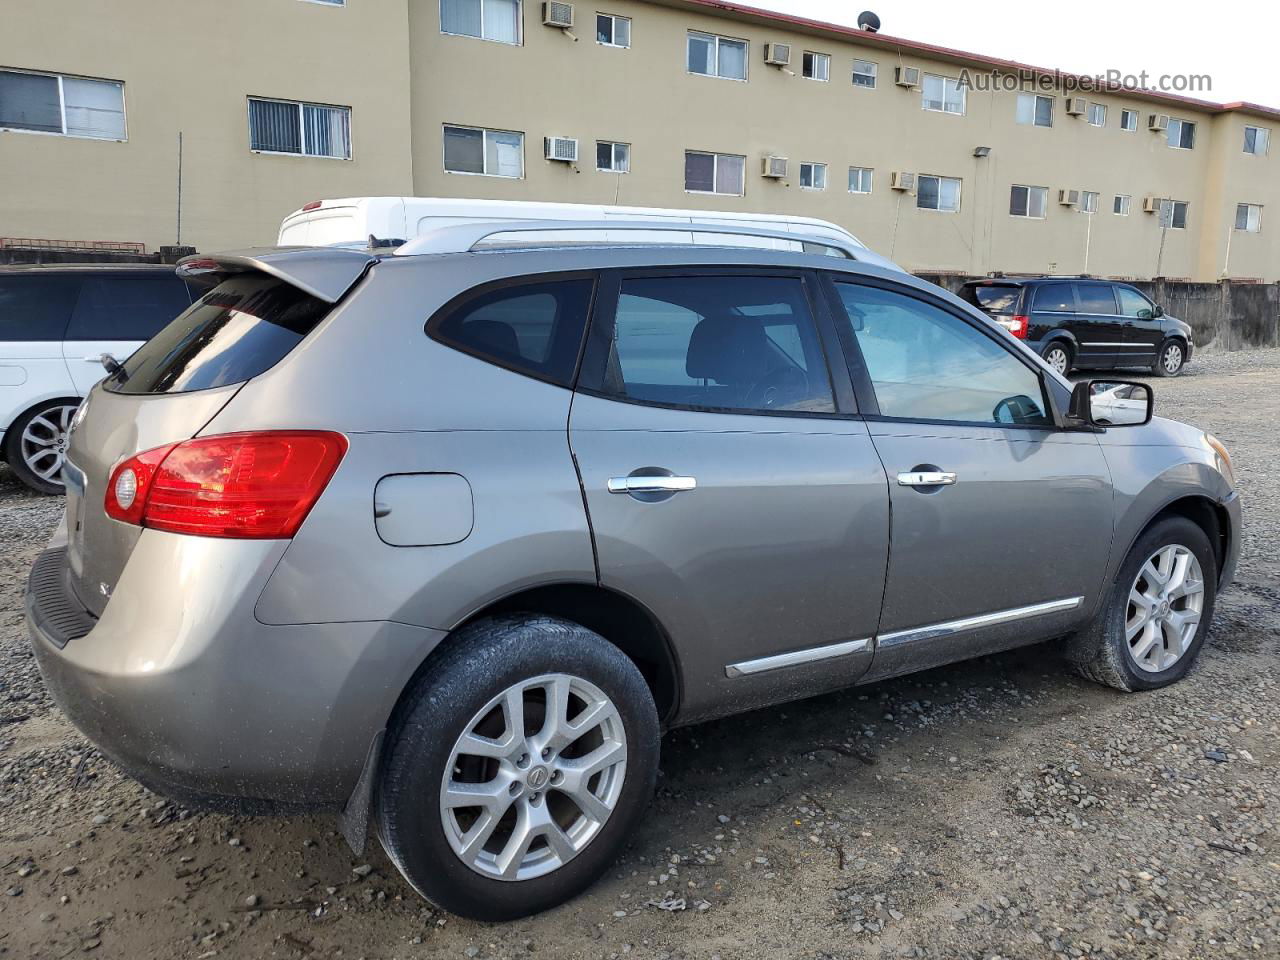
(353, 821)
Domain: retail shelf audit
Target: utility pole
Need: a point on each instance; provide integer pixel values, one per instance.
(179, 237)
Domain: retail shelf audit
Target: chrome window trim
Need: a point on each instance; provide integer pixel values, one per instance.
(947, 628)
(795, 657)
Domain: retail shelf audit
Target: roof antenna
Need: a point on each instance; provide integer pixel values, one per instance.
(869, 22)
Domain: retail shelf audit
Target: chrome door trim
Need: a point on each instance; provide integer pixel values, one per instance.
(949, 627)
(811, 655)
(1107, 343)
(926, 478)
(651, 484)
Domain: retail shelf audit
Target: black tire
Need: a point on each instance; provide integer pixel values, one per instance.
(1058, 346)
(481, 662)
(1100, 653)
(1161, 367)
(55, 412)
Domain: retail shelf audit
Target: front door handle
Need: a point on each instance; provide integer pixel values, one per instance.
(651, 484)
(926, 478)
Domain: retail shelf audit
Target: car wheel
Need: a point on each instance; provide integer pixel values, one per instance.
(1155, 618)
(1058, 356)
(1170, 359)
(516, 767)
(37, 443)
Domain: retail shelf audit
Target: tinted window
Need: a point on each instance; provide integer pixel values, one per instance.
(1095, 298)
(1056, 297)
(240, 328)
(993, 299)
(1133, 304)
(126, 308)
(927, 364)
(718, 343)
(36, 308)
(533, 328)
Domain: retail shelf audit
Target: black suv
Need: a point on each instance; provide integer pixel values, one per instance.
(1080, 322)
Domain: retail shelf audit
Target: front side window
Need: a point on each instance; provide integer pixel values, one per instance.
(490, 153)
(67, 106)
(127, 308)
(1256, 140)
(713, 56)
(928, 364)
(1088, 201)
(860, 179)
(1035, 110)
(938, 193)
(302, 129)
(497, 20)
(1181, 134)
(733, 343)
(1098, 114)
(533, 328)
(1173, 214)
(813, 176)
(1120, 204)
(816, 66)
(942, 94)
(714, 173)
(613, 31)
(864, 74)
(613, 157)
(1248, 217)
(1031, 202)
(1133, 304)
(1129, 120)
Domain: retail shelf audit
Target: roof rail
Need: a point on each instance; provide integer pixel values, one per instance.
(466, 237)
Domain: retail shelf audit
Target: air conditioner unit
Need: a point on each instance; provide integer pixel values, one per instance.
(1076, 105)
(558, 15)
(899, 180)
(906, 76)
(777, 54)
(1157, 121)
(1150, 204)
(775, 168)
(1068, 198)
(564, 149)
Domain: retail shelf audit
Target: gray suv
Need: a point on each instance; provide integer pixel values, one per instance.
(443, 542)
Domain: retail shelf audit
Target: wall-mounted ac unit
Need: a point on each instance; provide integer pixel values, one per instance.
(1150, 204)
(564, 149)
(1076, 105)
(558, 15)
(1068, 198)
(1157, 121)
(775, 168)
(777, 54)
(900, 180)
(906, 76)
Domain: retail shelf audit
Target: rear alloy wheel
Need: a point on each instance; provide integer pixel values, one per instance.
(37, 445)
(1058, 356)
(1172, 357)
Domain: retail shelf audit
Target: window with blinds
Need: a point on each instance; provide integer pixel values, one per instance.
(62, 105)
(304, 129)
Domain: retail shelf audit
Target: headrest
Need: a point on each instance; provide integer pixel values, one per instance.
(493, 336)
(728, 350)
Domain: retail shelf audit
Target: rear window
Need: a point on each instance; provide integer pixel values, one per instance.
(1055, 298)
(240, 328)
(36, 308)
(127, 308)
(992, 299)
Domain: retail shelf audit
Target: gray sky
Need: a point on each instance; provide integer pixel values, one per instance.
(1231, 40)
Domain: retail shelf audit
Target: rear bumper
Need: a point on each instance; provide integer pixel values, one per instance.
(187, 692)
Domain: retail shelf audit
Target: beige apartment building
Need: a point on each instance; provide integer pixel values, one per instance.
(677, 103)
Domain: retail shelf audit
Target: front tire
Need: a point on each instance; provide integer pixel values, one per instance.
(1157, 613)
(37, 443)
(1058, 356)
(1171, 359)
(516, 768)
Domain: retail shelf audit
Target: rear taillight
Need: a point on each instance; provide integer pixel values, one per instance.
(1015, 325)
(313, 205)
(238, 485)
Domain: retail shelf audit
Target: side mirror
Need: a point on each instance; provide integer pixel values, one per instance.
(1111, 403)
(1158, 312)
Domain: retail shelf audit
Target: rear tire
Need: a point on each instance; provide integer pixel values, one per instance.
(1133, 644)
(35, 447)
(1058, 356)
(1171, 359)
(546, 823)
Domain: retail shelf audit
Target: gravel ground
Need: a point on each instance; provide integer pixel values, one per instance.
(996, 809)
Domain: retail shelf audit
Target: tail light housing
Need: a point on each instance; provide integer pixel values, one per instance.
(257, 486)
(1016, 325)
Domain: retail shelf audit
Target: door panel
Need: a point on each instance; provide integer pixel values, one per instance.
(84, 365)
(1143, 331)
(1098, 325)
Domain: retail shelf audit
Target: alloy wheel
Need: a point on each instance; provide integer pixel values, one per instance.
(1164, 608)
(1172, 358)
(44, 441)
(1057, 358)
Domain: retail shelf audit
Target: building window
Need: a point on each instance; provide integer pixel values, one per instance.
(613, 31)
(1030, 202)
(1249, 217)
(942, 94)
(66, 106)
(860, 179)
(1088, 201)
(714, 173)
(489, 153)
(938, 193)
(864, 74)
(330, 3)
(1182, 134)
(1035, 110)
(1129, 120)
(817, 66)
(303, 129)
(1120, 205)
(1173, 214)
(1097, 114)
(713, 56)
(813, 176)
(497, 20)
(1255, 140)
(613, 157)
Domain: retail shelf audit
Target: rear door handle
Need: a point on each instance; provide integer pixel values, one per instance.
(651, 484)
(926, 478)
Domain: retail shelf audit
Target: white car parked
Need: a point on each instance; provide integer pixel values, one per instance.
(59, 325)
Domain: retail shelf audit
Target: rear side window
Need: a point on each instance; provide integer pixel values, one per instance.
(36, 308)
(992, 299)
(127, 308)
(1095, 298)
(1055, 298)
(532, 328)
(240, 328)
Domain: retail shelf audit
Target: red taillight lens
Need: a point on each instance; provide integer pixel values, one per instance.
(239, 485)
(313, 205)
(1015, 325)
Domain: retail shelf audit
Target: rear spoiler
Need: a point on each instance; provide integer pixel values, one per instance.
(325, 273)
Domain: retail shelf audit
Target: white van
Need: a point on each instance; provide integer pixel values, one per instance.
(356, 219)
